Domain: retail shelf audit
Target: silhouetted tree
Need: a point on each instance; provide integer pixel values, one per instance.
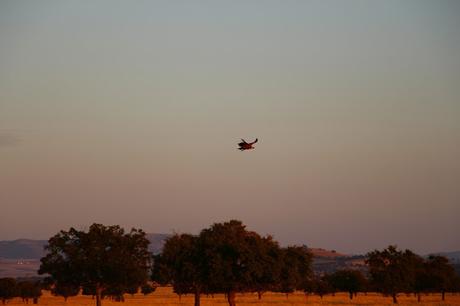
(440, 275)
(29, 290)
(456, 284)
(351, 281)
(104, 258)
(231, 259)
(296, 272)
(181, 264)
(309, 286)
(8, 289)
(322, 286)
(392, 271)
(264, 260)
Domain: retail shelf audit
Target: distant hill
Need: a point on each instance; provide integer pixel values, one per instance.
(318, 252)
(34, 249)
(22, 249)
(452, 256)
(21, 257)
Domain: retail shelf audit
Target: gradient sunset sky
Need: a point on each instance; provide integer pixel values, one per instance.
(129, 112)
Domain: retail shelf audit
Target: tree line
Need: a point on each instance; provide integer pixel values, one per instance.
(24, 289)
(225, 258)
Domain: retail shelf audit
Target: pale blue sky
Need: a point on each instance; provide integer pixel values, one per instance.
(129, 112)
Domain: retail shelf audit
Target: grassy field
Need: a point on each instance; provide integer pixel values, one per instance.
(164, 296)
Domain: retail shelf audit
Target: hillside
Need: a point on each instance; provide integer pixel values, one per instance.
(21, 249)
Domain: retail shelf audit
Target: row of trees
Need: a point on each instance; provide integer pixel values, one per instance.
(393, 271)
(224, 258)
(10, 288)
(32, 290)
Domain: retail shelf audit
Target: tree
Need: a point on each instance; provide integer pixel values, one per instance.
(264, 261)
(296, 272)
(351, 281)
(8, 289)
(323, 286)
(104, 258)
(422, 281)
(393, 271)
(181, 264)
(29, 290)
(232, 254)
(440, 275)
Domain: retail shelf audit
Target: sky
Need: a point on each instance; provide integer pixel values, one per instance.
(129, 113)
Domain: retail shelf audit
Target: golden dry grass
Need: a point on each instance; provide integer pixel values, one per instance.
(165, 296)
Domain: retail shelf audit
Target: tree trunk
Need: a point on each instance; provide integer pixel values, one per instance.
(395, 300)
(98, 296)
(231, 298)
(443, 295)
(419, 297)
(35, 300)
(351, 295)
(197, 298)
(259, 294)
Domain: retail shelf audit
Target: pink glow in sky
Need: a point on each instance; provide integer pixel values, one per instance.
(129, 113)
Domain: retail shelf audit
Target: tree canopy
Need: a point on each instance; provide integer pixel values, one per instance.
(181, 264)
(393, 271)
(296, 271)
(224, 258)
(8, 289)
(351, 281)
(103, 258)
